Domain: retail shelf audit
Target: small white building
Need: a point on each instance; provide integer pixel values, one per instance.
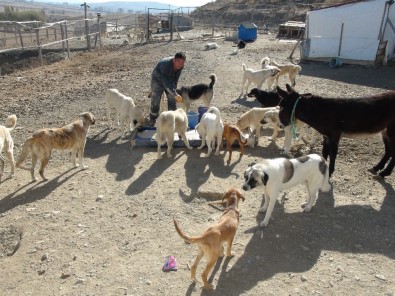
(357, 32)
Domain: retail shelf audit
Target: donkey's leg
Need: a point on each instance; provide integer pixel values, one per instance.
(325, 147)
(389, 144)
(333, 148)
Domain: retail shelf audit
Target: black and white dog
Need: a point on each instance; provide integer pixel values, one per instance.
(195, 92)
(280, 173)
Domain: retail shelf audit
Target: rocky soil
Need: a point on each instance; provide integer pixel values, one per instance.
(108, 229)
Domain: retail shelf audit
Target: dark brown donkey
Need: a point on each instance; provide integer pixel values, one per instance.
(335, 118)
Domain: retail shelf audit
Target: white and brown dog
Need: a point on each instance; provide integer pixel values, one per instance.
(256, 76)
(126, 110)
(7, 144)
(252, 120)
(211, 241)
(285, 69)
(202, 91)
(280, 174)
(69, 137)
(167, 124)
(210, 129)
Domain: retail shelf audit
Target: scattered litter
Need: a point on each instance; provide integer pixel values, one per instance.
(170, 264)
(211, 45)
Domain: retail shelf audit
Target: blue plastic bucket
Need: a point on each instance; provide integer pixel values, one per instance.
(201, 111)
(193, 118)
(335, 63)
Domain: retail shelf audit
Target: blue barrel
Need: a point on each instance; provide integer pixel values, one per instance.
(192, 119)
(201, 111)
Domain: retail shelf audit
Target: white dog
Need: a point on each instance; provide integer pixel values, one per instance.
(256, 76)
(272, 117)
(252, 120)
(126, 110)
(210, 129)
(169, 123)
(285, 69)
(280, 174)
(7, 144)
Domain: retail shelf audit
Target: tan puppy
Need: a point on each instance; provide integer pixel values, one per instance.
(232, 133)
(169, 123)
(7, 144)
(252, 119)
(43, 141)
(211, 241)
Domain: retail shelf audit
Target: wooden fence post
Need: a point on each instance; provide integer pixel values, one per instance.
(20, 36)
(67, 40)
(40, 53)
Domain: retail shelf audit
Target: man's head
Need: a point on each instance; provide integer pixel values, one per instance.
(179, 60)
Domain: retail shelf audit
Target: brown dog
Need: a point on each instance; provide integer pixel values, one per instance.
(232, 133)
(43, 141)
(211, 241)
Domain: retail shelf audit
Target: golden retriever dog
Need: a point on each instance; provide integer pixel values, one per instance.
(7, 144)
(169, 123)
(210, 242)
(285, 69)
(126, 110)
(232, 133)
(43, 141)
(252, 120)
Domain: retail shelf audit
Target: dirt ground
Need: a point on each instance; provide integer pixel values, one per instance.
(108, 229)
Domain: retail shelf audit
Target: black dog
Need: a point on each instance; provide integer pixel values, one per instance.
(241, 44)
(266, 99)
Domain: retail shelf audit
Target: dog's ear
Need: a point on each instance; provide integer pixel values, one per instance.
(281, 92)
(289, 88)
(265, 178)
(240, 195)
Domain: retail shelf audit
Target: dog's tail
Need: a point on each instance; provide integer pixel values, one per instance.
(244, 67)
(213, 78)
(299, 68)
(241, 139)
(10, 122)
(24, 153)
(325, 186)
(186, 238)
(265, 62)
(215, 111)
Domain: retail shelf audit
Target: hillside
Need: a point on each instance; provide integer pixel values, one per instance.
(268, 12)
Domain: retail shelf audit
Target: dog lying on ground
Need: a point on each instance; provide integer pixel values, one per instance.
(280, 174)
(42, 142)
(252, 120)
(198, 91)
(273, 117)
(211, 241)
(126, 110)
(232, 133)
(285, 69)
(265, 98)
(7, 145)
(169, 123)
(256, 76)
(210, 129)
